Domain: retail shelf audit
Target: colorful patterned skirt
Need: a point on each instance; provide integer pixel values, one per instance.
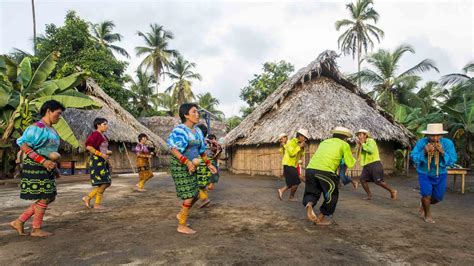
(36, 182)
(203, 175)
(214, 177)
(144, 168)
(186, 183)
(99, 170)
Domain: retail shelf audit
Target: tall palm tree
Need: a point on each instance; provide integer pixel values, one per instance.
(181, 71)
(142, 90)
(157, 53)
(357, 37)
(34, 25)
(103, 35)
(209, 103)
(390, 87)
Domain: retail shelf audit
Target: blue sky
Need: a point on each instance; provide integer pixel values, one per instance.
(230, 40)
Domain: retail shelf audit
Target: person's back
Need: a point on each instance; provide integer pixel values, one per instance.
(329, 154)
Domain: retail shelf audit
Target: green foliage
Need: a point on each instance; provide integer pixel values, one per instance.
(80, 51)
(182, 72)
(210, 103)
(233, 122)
(262, 85)
(143, 95)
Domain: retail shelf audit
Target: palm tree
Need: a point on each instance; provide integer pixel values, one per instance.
(181, 71)
(167, 103)
(390, 87)
(34, 24)
(158, 55)
(358, 34)
(102, 34)
(209, 103)
(142, 90)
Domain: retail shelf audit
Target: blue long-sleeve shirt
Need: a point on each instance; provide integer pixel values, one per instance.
(420, 159)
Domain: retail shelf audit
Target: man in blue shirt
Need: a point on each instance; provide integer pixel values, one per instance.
(432, 155)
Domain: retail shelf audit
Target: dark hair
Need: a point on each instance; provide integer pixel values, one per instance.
(51, 105)
(211, 136)
(203, 128)
(298, 135)
(141, 136)
(98, 121)
(184, 110)
(340, 136)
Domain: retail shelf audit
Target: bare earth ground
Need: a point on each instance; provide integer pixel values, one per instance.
(245, 224)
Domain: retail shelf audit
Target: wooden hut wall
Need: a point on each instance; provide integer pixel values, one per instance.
(266, 159)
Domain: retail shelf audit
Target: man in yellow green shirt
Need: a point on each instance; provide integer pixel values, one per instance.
(372, 170)
(321, 174)
(293, 151)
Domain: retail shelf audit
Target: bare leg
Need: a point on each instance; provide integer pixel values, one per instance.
(365, 185)
(393, 192)
(293, 192)
(426, 202)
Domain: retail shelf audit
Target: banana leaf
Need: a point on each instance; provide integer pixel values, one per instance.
(69, 101)
(5, 93)
(24, 71)
(51, 87)
(42, 72)
(65, 133)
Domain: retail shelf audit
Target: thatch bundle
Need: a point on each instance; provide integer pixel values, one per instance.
(123, 127)
(163, 125)
(317, 98)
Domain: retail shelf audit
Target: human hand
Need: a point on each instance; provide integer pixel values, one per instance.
(190, 165)
(49, 165)
(429, 148)
(212, 168)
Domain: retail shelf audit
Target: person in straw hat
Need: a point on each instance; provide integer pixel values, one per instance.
(283, 138)
(372, 168)
(432, 155)
(294, 150)
(321, 175)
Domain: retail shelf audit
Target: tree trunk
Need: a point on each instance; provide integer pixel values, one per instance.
(34, 25)
(359, 48)
(157, 76)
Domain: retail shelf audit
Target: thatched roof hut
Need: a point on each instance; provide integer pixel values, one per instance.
(163, 125)
(123, 127)
(317, 98)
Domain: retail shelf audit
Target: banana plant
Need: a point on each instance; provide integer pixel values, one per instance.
(23, 92)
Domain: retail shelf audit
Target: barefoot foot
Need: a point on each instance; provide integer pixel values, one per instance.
(205, 203)
(293, 199)
(87, 201)
(369, 197)
(99, 207)
(324, 221)
(429, 220)
(18, 226)
(183, 229)
(36, 232)
(310, 214)
(393, 194)
(280, 195)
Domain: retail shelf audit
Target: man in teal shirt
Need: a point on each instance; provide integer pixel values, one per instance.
(372, 170)
(293, 151)
(321, 174)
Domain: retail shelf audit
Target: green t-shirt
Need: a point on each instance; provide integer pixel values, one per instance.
(329, 155)
(293, 153)
(369, 152)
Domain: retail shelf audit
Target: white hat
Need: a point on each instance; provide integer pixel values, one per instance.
(342, 130)
(434, 129)
(282, 135)
(303, 132)
(363, 131)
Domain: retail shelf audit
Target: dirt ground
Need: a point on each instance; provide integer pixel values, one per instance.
(245, 224)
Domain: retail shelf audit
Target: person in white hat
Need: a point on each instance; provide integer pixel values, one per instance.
(283, 138)
(321, 175)
(372, 168)
(432, 173)
(294, 150)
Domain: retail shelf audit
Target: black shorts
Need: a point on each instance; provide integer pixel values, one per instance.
(291, 175)
(372, 172)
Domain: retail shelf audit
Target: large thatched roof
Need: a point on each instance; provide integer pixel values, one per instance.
(123, 127)
(317, 98)
(162, 125)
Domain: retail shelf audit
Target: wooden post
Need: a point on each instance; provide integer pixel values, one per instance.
(129, 160)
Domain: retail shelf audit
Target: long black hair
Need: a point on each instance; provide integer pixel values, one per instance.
(98, 121)
(51, 105)
(184, 110)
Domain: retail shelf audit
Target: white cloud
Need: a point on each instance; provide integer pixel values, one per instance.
(230, 41)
